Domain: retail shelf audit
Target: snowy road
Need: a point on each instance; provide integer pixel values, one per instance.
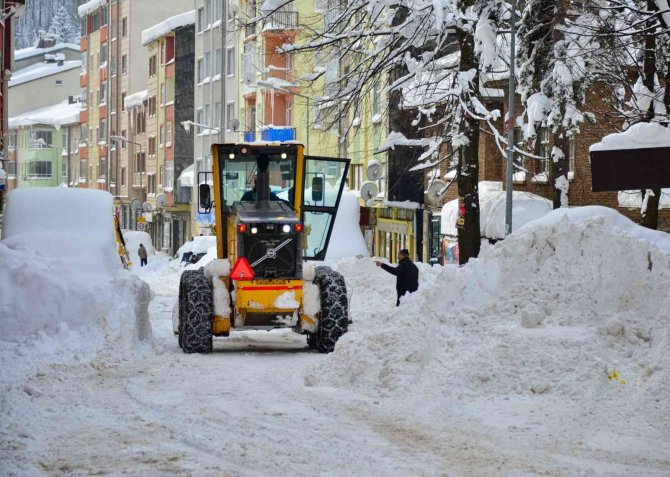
(407, 393)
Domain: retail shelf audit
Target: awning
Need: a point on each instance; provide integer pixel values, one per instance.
(186, 177)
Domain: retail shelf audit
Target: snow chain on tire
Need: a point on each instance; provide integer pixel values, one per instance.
(334, 320)
(196, 311)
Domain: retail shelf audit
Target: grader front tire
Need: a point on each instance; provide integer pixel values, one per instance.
(196, 312)
(334, 320)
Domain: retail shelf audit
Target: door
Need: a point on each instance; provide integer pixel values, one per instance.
(323, 183)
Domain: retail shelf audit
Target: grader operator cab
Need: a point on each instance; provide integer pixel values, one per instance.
(274, 209)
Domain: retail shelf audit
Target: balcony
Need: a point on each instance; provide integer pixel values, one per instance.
(249, 136)
(278, 134)
(281, 20)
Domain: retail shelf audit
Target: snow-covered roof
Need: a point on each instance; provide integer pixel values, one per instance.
(166, 26)
(90, 6)
(41, 70)
(526, 207)
(638, 136)
(55, 115)
(136, 99)
(34, 51)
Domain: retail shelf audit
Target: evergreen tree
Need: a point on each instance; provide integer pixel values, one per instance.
(61, 27)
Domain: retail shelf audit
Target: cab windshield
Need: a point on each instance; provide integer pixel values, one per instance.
(239, 177)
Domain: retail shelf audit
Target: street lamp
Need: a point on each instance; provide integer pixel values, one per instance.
(188, 123)
(269, 85)
(123, 139)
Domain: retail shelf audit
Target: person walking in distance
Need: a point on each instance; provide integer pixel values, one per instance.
(142, 252)
(407, 275)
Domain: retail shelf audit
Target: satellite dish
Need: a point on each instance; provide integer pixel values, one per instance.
(435, 190)
(147, 207)
(136, 204)
(375, 170)
(369, 190)
(248, 78)
(161, 200)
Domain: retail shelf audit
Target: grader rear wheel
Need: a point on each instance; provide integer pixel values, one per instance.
(196, 312)
(334, 320)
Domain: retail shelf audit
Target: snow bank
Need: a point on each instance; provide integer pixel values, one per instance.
(64, 295)
(163, 28)
(199, 244)
(347, 239)
(526, 207)
(549, 310)
(133, 239)
(638, 136)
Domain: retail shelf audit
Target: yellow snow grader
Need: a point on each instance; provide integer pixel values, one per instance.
(274, 210)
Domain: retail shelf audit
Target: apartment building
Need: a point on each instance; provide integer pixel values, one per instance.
(216, 88)
(43, 147)
(116, 66)
(171, 51)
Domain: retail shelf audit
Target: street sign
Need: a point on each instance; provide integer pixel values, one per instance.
(141, 226)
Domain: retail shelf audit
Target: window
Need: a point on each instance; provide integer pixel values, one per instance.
(355, 178)
(217, 61)
(123, 101)
(161, 135)
(114, 27)
(124, 27)
(83, 132)
(163, 51)
(218, 9)
(152, 66)
(38, 170)
(140, 161)
(543, 137)
(206, 116)
(571, 154)
(11, 141)
(163, 94)
(124, 64)
(168, 134)
(123, 175)
(217, 116)
(82, 27)
(113, 67)
(289, 113)
(152, 106)
(152, 146)
(169, 173)
(40, 139)
(202, 22)
(230, 115)
(230, 61)
(123, 134)
(376, 93)
(82, 170)
(140, 122)
(169, 49)
(103, 92)
(201, 69)
(59, 82)
(11, 168)
(151, 183)
(208, 62)
(199, 116)
(208, 10)
(103, 130)
(104, 52)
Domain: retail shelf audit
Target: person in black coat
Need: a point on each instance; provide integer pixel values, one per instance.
(407, 275)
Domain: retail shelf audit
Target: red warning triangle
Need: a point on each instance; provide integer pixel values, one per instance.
(242, 270)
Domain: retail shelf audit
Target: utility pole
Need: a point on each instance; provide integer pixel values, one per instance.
(511, 123)
(224, 60)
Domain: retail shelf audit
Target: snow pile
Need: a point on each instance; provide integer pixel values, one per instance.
(199, 244)
(163, 28)
(549, 310)
(64, 294)
(346, 239)
(526, 207)
(133, 239)
(135, 100)
(638, 136)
